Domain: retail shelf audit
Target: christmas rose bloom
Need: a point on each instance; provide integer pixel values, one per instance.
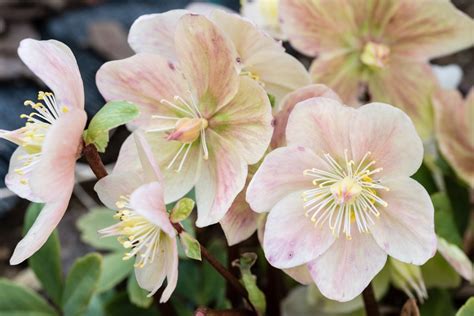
(144, 228)
(259, 56)
(42, 168)
(340, 197)
(204, 122)
(455, 131)
(381, 45)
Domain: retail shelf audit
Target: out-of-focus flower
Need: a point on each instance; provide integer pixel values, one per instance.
(340, 197)
(408, 278)
(42, 168)
(448, 76)
(380, 45)
(144, 228)
(264, 13)
(455, 131)
(259, 56)
(204, 122)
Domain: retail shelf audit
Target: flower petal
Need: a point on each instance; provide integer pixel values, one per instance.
(55, 170)
(111, 188)
(151, 276)
(405, 228)
(172, 259)
(43, 226)
(456, 258)
(149, 166)
(54, 63)
(154, 33)
(320, 124)
(144, 79)
(147, 200)
(287, 105)
(209, 62)
(291, 238)
(240, 222)
(281, 173)
(390, 136)
(346, 268)
(223, 177)
(246, 121)
(300, 274)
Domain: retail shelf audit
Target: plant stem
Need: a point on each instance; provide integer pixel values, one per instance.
(370, 303)
(95, 163)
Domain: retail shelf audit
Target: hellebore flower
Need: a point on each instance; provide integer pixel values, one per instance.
(340, 198)
(204, 122)
(380, 45)
(42, 168)
(264, 13)
(144, 228)
(455, 131)
(259, 56)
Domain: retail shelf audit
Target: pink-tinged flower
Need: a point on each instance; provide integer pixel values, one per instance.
(340, 197)
(42, 168)
(381, 45)
(264, 13)
(455, 131)
(204, 122)
(144, 228)
(259, 56)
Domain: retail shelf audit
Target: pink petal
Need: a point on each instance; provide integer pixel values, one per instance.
(222, 178)
(390, 136)
(148, 201)
(288, 104)
(405, 228)
(209, 62)
(43, 226)
(291, 238)
(55, 170)
(154, 33)
(246, 121)
(280, 174)
(144, 79)
(149, 166)
(456, 258)
(320, 124)
(206, 8)
(346, 268)
(171, 268)
(111, 188)
(240, 222)
(300, 274)
(54, 63)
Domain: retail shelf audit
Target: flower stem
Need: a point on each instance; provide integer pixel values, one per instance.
(370, 303)
(94, 161)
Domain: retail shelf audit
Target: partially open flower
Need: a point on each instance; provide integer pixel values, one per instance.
(144, 227)
(42, 168)
(343, 182)
(205, 123)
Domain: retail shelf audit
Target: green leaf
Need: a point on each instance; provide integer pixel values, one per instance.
(136, 294)
(81, 284)
(467, 309)
(191, 246)
(121, 306)
(256, 296)
(46, 262)
(95, 220)
(117, 270)
(444, 221)
(424, 176)
(18, 301)
(438, 304)
(272, 99)
(182, 210)
(112, 114)
(438, 273)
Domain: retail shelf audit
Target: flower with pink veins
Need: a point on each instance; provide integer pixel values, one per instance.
(204, 122)
(380, 47)
(42, 168)
(144, 228)
(340, 197)
(259, 56)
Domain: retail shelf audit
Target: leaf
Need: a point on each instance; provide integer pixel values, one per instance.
(112, 114)
(182, 210)
(17, 301)
(136, 294)
(81, 284)
(256, 296)
(272, 99)
(438, 273)
(191, 246)
(121, 306)
(116, 271)
(467, 309)
(46, 262)
(438, 304)
(92, 222)
(444, 221)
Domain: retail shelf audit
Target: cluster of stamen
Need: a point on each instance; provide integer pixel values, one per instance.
(189, 125)
(344, 195)
(375, 54)
(252, 76)
(135, 233)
